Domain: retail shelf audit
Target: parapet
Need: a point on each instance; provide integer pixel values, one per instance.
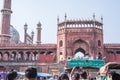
(78, 23)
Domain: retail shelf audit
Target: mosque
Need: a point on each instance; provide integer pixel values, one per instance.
(76, 39)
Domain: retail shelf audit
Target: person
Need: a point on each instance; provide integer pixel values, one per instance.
(84, 75)
(76, 76)
(59, 78)
(113, 76)
(64, 76)
(12, 75)
(55, 77)
(75, 70)
(31, 73)
(38, 78)
(44, 78)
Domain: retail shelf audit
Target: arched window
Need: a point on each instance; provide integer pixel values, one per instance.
(49, 52)
(99, 43)
(6, 56)
(61, 53)
(61, 43)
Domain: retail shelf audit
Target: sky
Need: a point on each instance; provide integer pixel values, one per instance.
(46, 12)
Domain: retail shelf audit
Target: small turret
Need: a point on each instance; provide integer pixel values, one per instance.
(93, 16)
(57, 19)
(65, 21)
(25, 26)
(101, 19)
(25, 32)
(94, 19)
(65, 16)
(32, 35)
(38, 33)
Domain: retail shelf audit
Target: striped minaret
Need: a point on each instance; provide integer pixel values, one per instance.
(38, 33)
(5, 22)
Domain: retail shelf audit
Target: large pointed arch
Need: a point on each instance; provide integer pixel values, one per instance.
(80, 45)
(79, 53)
(80, 50)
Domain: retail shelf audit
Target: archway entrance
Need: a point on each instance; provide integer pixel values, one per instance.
(79, 53)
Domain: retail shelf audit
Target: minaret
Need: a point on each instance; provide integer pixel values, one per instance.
(38, 33)
(25, 33)
(5, 22)
(32, 36)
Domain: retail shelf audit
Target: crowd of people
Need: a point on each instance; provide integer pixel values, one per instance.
(76, 74)
(30, 74)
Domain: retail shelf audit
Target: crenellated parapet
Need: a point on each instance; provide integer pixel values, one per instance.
(78, 23)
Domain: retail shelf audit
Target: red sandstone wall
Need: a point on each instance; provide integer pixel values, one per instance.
(43, 58)
(113, 58)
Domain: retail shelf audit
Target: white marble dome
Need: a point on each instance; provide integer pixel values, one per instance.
(15, 37)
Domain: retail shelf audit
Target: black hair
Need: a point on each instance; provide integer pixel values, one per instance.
(31, 73)
(84, 75)
(64, 76)
(59, 78)
(77, 67)
(12, 75)
(76, 76)
(115, 76)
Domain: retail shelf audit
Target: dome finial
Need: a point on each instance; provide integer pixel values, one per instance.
(57, 19)
(39, 24)
(102, 19)
(65, 16)
(25, 26)
(93, 16)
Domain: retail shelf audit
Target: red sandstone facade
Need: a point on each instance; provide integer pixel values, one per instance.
(85, 36)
